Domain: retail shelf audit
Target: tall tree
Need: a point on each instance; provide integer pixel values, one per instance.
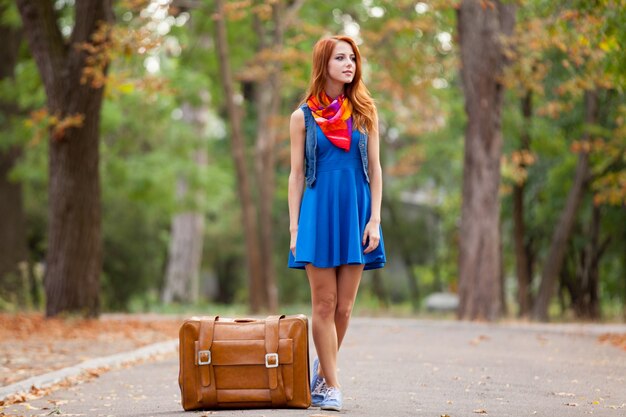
(522, 252)
(182, 276)
(267, 103)
(185, 253)
(556, 254)
(480, 26)
(262, 78)
(271, 35)
(244, 186)
(581, 276)
(13, 248)
(74, 251)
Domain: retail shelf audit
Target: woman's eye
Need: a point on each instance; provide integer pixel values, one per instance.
(340, 58)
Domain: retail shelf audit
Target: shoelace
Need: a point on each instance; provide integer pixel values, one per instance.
(319, 387)
(332, 392)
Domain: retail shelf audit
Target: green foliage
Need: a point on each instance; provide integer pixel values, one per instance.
(411, 69)
(132, 269)
(9, 16)
(137, 193)
(579, 54)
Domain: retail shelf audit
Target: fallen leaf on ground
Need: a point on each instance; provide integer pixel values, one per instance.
(55, 411)
(35, 392)
(32, 345)
(564, 394)
(479, 339)
(616, 339)
(480, 411)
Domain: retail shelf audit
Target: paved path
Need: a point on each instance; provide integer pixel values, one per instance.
(405, 367)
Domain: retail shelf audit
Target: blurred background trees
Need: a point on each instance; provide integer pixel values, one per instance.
(481, 28)
(193, 153)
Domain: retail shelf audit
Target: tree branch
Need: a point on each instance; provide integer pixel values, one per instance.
(291, 13)
(259, 30)
(87, 14)
(45, 40)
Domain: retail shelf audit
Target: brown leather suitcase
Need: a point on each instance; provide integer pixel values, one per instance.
(244, 363)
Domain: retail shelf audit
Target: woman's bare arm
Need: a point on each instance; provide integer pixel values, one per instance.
(375, 173)
(296, 176)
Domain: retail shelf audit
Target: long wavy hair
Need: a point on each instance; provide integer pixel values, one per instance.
(363, 108)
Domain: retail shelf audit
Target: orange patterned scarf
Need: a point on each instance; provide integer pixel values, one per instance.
(334, 117)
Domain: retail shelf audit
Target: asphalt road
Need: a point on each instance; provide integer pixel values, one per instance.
(406, 367)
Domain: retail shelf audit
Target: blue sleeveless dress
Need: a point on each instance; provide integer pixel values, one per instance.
(334, 212)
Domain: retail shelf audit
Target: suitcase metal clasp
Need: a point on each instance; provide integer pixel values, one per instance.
(271, 360)
(207, 354)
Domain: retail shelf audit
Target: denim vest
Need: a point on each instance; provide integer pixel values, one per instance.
(310, 148)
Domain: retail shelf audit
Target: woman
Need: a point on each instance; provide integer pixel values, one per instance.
(335, 192)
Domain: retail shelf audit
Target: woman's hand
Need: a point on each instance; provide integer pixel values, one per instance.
(292, 243)
(371, 233)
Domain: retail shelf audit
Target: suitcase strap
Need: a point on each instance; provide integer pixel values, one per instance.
(208, 389)
(207, 392)
(272, 361)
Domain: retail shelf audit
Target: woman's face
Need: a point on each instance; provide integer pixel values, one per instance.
(342, 64)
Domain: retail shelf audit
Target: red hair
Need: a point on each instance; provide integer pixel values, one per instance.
(363, 109)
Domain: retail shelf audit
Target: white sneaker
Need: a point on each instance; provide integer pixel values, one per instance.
(319, 392)
(333, 400)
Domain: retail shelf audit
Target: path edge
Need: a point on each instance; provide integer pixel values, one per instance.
(118, 359)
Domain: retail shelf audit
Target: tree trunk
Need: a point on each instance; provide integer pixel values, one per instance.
(584, 287)
(185, 256)
(568, 284)
(263, 288)
(185, 252)
(519, 229)
(253, 252)
(590, 280)
(13, 246)
(482, 61)
(267, 107)
(556, 254)
(503, 304)
(74, 254)
(267, 101)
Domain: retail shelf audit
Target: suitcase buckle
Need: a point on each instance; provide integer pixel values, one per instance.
(207, 361)
(271, 360)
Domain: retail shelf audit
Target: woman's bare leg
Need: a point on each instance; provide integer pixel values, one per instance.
(348, 279)
(323, 282)
(333, 292)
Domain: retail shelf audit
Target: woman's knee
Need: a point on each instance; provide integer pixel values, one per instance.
(325, 306)
(344, 310)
